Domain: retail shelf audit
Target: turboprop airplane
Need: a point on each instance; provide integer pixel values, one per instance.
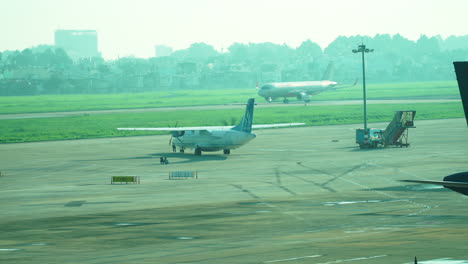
(215, 138)
(457, 182)
(300, 90)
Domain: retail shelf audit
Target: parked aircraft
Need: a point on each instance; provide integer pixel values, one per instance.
(300, 90)
(215, 138)
(457, 182)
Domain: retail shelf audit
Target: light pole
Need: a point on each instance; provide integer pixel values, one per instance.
(362, 48)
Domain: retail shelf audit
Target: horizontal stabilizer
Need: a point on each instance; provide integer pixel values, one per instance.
(443, 183)
(345, 85)
(206, 127)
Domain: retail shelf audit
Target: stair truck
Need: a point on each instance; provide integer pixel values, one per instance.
(396, 133)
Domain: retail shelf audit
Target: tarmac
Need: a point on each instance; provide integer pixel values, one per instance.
(292, 195)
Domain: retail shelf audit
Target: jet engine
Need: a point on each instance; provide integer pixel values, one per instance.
(177, 133)
(304, 97)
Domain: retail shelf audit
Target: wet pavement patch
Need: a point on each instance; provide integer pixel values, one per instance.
(74, 203)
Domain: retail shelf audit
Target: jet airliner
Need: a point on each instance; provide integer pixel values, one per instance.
(300, 90)
(215, 138)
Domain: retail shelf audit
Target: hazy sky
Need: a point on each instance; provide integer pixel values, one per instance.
(133, 27)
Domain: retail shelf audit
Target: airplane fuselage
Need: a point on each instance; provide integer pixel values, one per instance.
(212, 140)
(301, 90)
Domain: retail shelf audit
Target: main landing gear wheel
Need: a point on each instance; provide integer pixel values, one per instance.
(286, 101)
(182, 150)
(227, 151)
(198, 152)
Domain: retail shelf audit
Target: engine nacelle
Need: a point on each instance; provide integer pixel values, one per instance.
(303, 97)
(177, 133)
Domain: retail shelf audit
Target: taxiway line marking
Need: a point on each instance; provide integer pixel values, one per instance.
(289, 259)
(353, 259)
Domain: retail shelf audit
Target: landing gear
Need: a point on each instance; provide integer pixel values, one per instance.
(182, 150)
(174, 148)
(198, 151)
(286, 101)
(227, 151)
(269, 99)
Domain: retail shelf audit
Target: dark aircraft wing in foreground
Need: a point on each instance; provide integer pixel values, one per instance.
(457, 182)
(461, 70)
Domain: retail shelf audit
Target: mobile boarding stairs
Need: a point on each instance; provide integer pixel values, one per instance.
(396, 133)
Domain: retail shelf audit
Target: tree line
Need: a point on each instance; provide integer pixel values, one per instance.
(49, 70)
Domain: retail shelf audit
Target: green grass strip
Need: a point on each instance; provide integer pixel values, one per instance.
(63, 103)
(104, 125)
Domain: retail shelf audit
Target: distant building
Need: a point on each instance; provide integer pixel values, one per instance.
(78, 43)
(162, 51)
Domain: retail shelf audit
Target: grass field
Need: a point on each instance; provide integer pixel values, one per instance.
(104, 125)
(60, 103)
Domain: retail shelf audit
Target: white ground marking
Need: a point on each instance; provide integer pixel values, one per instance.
(289, 259)
(425, 207)
(353, 259)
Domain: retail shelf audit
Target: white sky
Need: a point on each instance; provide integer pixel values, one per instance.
(133, 27)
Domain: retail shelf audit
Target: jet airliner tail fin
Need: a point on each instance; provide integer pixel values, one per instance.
(328, 75)
(245, 125)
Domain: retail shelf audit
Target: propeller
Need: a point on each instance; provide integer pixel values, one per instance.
(170, 140)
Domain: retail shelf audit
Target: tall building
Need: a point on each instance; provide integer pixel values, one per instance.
(161, 51)
(78, 43)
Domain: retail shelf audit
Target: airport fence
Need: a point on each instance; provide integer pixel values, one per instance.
(182, 175)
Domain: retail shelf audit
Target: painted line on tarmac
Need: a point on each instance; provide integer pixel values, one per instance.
(353, 259)
(289, 259)
(425, 207)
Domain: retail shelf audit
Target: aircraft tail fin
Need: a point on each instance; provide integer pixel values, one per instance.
(328, 75)
(245, 124)
(461, 70)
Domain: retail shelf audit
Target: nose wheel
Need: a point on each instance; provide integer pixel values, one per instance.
(227, 151)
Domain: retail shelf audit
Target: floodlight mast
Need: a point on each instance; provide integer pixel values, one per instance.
(362, 48)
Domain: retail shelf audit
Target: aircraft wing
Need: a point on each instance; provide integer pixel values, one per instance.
(443, 183)
(205, 127)
(176, 128)
(277, 125)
